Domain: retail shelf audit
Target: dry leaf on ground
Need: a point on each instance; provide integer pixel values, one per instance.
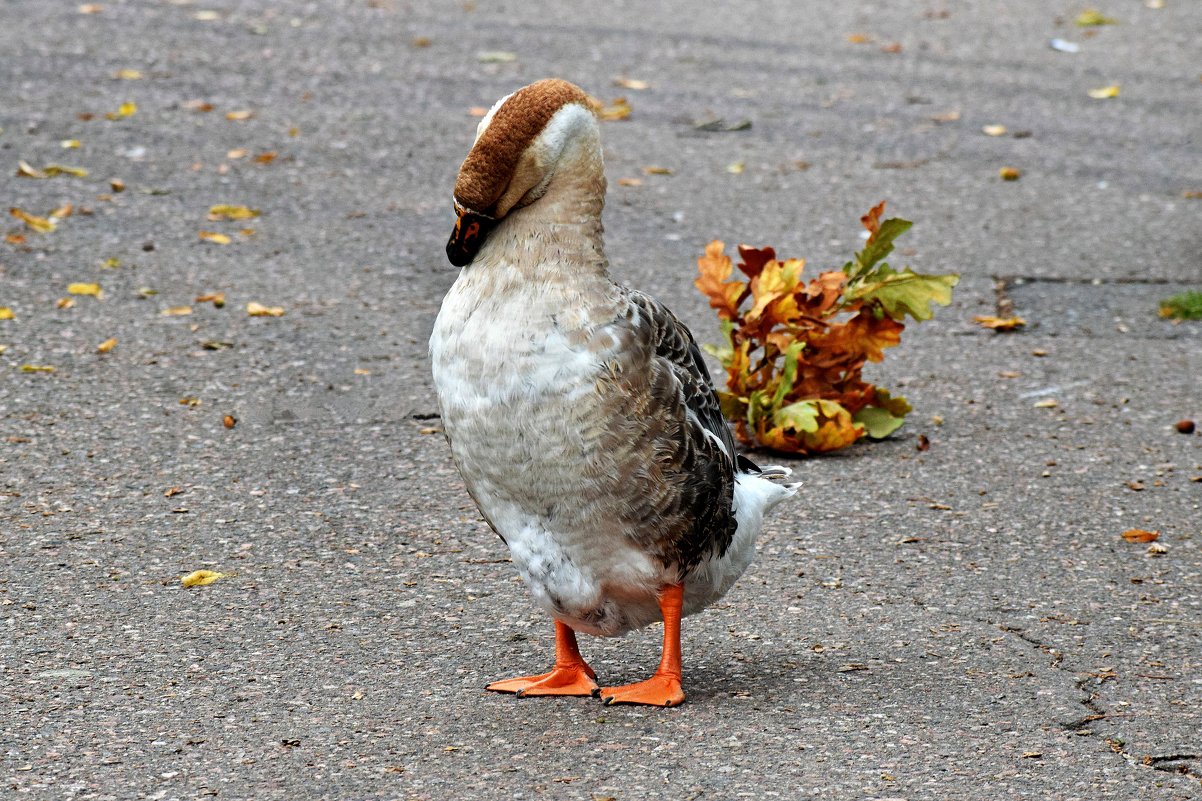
(1140, 535)
(259, 310)
(617, 109)
(631, 83)
(123, 111)
(227, 211)
(999, 323)
(85, 289)
(201, 578)
(1091, 17)
(40, 224)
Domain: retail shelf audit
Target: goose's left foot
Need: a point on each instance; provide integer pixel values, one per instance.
(659, 690)
(663, 688)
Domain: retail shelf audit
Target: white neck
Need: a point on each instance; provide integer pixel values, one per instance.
(562, 228)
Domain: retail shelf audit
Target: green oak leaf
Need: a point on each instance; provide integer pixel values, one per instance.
(800, 416)
(878, 423)
(906, 292)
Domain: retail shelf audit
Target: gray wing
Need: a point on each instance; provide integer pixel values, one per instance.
(687, 437)
(674, 343)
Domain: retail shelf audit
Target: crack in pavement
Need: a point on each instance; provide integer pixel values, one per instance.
(1176, 763)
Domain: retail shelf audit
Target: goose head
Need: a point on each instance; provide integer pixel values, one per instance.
(527, 140)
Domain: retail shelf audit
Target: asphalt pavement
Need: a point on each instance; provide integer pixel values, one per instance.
(963, 621)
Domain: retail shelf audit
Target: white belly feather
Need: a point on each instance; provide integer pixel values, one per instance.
(518, 404)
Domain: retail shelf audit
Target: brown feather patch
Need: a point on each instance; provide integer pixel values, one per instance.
(489, 166)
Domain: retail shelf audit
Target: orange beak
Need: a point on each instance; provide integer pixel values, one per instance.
(471, 228)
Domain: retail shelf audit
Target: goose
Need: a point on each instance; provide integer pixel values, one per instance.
(579, 412)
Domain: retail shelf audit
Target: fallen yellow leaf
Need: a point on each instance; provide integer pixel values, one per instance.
(39, 224)
(215, 238)
(259, 310)
(64, 303)
(27, 170)
(15, 239)
(1139, 535)
(107, 345)
(201, 578)
(111, 263)
(266, 157)
(619, 109)
(176, 311)
(85, 289)
(62, 212)
(999, 323)
(657, 171)
(52, 170)
(240, 116)
(216, 298)
(1091, 17)
(36, 368)
(7, 313)
(128, 75)
(197, 105)
(631, 83)
(630, 182)
(225, 211)
(237, 153)
(70, 144)
(858, 38)
(124, 110)
(994, 130)
(1105, 92)
(1009, 173)
(736, 168)
(1050, 403)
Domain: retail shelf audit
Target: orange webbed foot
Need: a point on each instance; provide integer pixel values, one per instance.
(564, 680)
(659, 690)
(570, 676)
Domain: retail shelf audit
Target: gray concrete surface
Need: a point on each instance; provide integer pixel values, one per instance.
(961, 622)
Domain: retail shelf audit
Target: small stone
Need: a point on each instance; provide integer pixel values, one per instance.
(1185, 426)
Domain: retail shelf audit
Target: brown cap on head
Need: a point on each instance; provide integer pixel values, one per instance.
(490, 164)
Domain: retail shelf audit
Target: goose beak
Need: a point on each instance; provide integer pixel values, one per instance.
(471, 228)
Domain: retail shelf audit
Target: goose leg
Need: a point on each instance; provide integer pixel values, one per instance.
(570, 676)
(663, 688)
